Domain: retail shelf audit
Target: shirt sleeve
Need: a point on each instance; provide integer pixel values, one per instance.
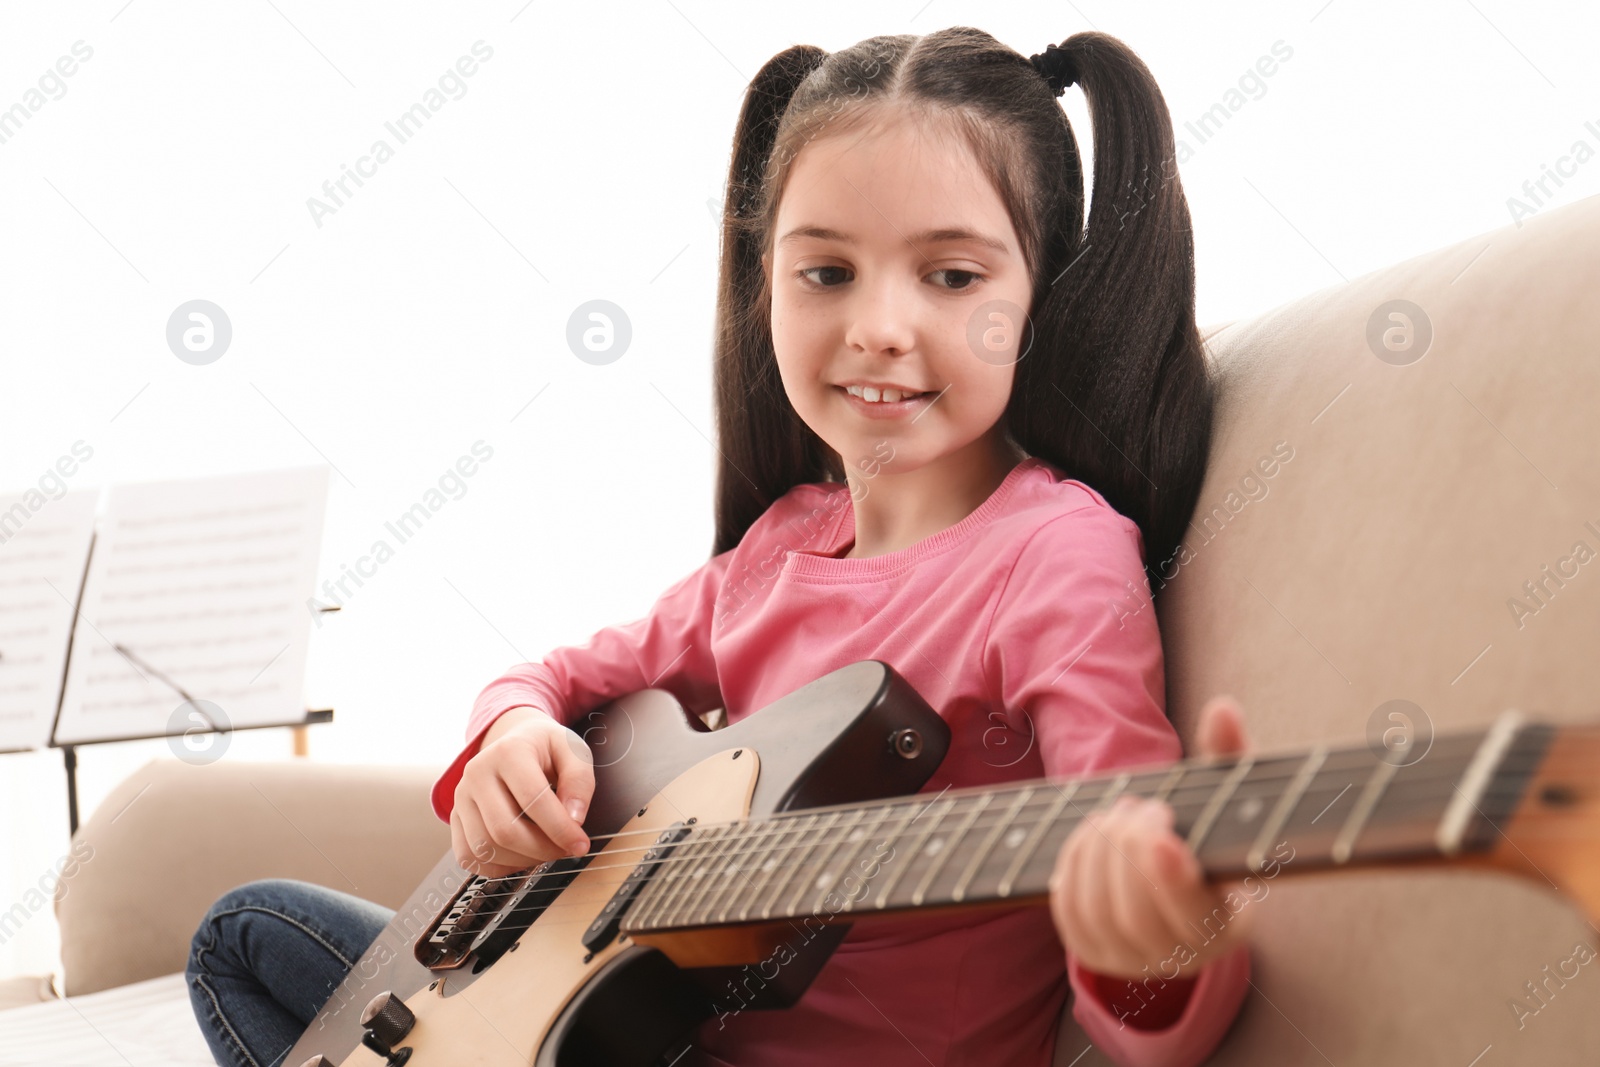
(669, 648)
(1074, 655)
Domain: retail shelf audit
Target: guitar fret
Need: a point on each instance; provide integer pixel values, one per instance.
(899, 872)
(823, 882)
(1377, 781)
(728, 893)
(888, 810)
(960, 890)
(674, 911)
(1106, 799)
(696, 879)
(797, 864)
(671, 878)
(1453, 826)
(1109, 797)
(1255, 859)
(724, 871)
(1032, 841)
(945, 854)
(650, 899)
(1213, 808)
(1170, 782)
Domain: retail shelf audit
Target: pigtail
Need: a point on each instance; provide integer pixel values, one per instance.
(1122, 397)
(765, 448)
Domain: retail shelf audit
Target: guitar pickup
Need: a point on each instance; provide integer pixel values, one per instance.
(604, 929)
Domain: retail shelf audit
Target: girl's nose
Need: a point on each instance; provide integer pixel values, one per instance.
(882, 319)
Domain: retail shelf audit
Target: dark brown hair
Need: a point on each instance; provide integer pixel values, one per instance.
(1114, 388)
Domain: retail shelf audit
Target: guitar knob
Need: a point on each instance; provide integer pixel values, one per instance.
(387, 1020)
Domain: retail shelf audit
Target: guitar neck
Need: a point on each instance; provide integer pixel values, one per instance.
(1310, 810)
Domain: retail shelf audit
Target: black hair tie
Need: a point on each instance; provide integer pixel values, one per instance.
(1056, 67)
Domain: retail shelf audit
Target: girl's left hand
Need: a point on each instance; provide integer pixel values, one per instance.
(1126, 889)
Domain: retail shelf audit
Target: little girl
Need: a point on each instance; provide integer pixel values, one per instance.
(956, 430)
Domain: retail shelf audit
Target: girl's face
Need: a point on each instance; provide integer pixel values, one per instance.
(894, 264)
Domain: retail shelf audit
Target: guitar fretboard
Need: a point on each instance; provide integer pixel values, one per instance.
(1320, 808)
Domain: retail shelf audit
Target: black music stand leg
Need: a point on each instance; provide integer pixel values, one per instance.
(69, 755)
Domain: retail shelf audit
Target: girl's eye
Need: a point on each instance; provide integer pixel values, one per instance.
(953, 281)
(965, 278)
(812, 270)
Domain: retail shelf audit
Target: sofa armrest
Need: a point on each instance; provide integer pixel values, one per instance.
(173, 837)
(27, 989)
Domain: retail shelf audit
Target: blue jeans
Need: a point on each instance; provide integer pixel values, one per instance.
(267, 957)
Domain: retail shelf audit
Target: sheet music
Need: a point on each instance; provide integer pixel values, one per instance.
(42, 554)
(204, 583)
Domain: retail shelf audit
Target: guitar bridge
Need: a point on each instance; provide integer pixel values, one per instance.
(484, 919)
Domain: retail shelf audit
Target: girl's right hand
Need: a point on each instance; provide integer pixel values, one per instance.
(528, 788)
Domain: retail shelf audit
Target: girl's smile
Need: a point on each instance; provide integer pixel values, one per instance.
(891, 404)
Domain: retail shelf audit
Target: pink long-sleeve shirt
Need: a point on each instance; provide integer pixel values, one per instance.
(1028, 627)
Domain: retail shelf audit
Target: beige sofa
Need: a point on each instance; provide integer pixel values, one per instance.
(1376, 563)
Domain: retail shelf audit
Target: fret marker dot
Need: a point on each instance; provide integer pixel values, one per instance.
(824, 880)
(1250, 809)
(772, 861)
(697, 874)
(933, 847)
(1014, 837)
(856, 835)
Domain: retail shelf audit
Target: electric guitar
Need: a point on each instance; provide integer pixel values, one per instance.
(715, 850)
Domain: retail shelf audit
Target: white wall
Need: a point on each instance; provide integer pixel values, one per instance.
(429, 310)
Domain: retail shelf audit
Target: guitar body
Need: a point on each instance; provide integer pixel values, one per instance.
(542, 997)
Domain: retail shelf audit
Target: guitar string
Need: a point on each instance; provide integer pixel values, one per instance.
(770, 827)
(1357, 756)
(813, 900)
(788, 851)
(1096, 786)
(1063, 822)
(1025, 877)
(1363, 760)
(1091, 789)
